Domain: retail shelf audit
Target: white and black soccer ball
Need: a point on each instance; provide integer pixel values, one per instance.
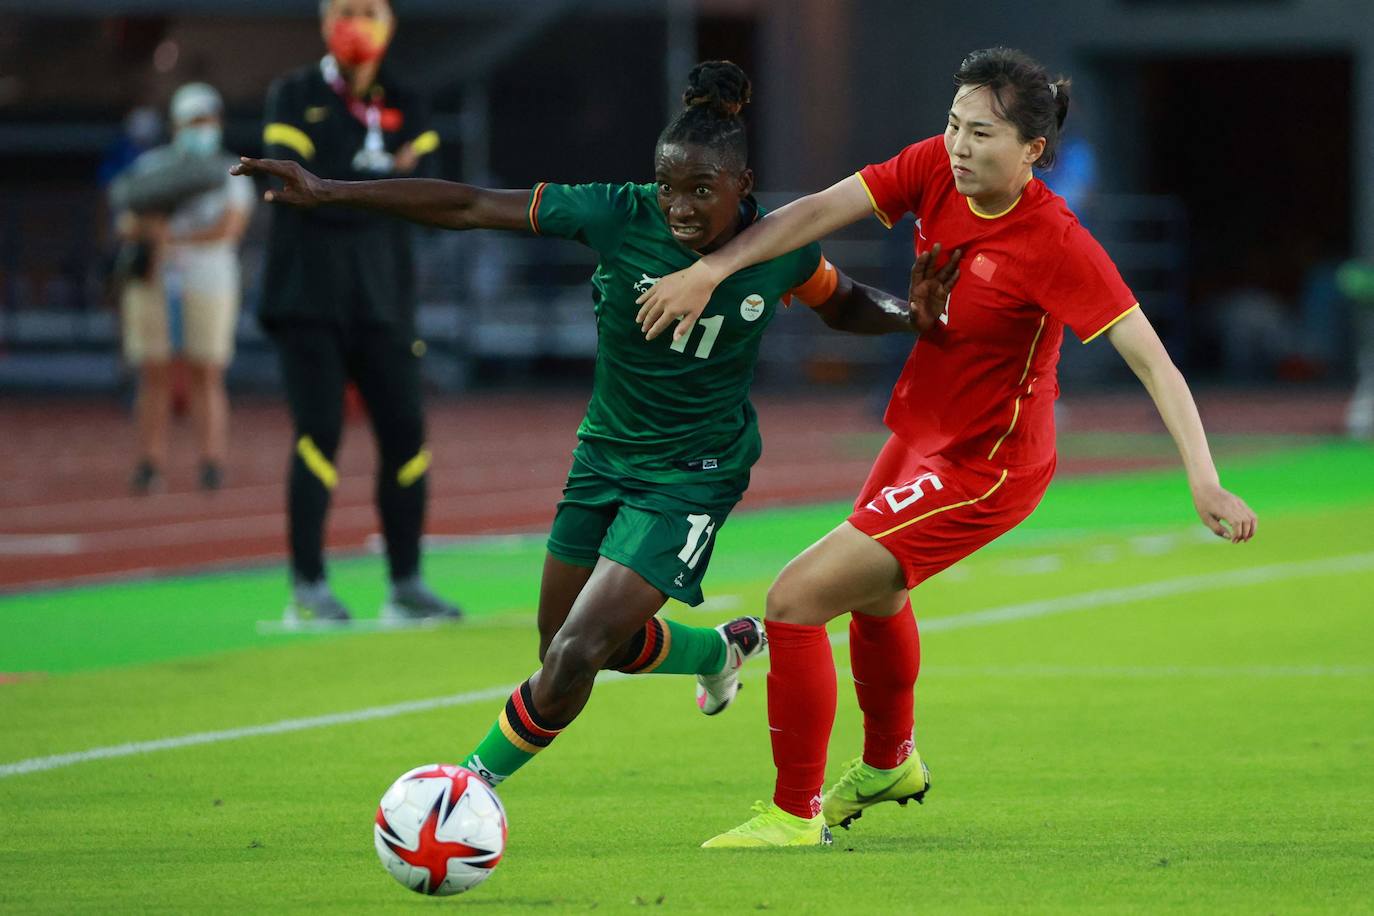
(440, 830)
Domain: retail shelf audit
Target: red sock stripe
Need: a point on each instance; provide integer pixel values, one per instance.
(524, 708)
(649, 656)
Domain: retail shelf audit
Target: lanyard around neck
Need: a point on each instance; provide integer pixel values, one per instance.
(368, 113)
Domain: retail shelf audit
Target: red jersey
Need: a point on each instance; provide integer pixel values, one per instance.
(981, 384)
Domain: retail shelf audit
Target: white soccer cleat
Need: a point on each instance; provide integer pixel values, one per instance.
(744, 638)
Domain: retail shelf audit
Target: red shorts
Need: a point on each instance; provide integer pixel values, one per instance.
(931, 511)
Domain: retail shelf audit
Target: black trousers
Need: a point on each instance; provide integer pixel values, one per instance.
(317, 361)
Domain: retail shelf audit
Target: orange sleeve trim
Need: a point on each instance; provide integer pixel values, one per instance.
(1106, 327)
(820, 287)
(535, 197)
(967, 502)
(873, 202)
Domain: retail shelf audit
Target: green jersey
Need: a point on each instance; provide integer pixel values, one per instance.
(666, 411)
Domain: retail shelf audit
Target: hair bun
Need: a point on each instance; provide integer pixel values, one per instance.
(1059, 88)
(719, 85)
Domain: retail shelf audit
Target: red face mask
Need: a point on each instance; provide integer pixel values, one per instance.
(357, 41)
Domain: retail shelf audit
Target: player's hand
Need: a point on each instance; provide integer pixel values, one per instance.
(1225, 513)
(928, 295)
(300, 188)
(679, 297)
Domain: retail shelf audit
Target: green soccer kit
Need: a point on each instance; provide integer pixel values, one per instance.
(665, 448)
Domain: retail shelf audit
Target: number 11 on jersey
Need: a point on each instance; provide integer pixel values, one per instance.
(710, 328)
(700, 533)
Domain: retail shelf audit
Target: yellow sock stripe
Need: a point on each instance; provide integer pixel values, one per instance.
(290, 137)
(427, 142)
(662, 651)
(318, 465)
(413, 469)
(967, 502)
(513, 737)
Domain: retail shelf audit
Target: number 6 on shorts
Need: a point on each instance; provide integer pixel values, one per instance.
(898, 503)
(700, 533)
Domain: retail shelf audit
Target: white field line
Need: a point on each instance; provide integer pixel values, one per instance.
(1255, 575)
(285, 726)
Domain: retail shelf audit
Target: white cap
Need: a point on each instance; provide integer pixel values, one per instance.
(195, 100)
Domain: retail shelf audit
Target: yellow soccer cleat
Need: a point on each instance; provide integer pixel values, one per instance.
(862, 786)
(772, 826)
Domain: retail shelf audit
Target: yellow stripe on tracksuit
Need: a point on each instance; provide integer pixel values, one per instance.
(413, 469)
(315, 461)
(427, 142)
(292, 138)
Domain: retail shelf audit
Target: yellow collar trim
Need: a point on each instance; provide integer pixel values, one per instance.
(981, 215)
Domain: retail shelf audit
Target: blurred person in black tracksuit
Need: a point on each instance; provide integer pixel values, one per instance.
(339, 301)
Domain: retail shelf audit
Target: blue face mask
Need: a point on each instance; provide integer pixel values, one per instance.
(200, 140)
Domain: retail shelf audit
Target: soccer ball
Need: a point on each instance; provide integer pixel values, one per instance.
(440, 830)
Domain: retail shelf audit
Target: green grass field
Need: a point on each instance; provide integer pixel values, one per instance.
(1120, 712)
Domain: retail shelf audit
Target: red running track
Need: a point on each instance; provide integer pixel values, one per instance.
(499, 465)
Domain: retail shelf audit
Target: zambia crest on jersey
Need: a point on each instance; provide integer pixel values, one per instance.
(645, 283)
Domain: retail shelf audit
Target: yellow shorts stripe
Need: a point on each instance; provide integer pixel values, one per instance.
(413, 469)
(427, 142)
(290, 137)
(872, 202)
(513, 737)
(967, 502)
(315, 461)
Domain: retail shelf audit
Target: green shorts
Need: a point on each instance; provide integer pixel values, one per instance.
(665, 533)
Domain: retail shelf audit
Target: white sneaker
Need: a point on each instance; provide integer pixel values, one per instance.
(314, 604)
(744, 638)
(411, 601)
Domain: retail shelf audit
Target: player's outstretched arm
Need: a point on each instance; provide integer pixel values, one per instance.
(860, 309)
(1223, 512)
(681, 296)
(429, 201)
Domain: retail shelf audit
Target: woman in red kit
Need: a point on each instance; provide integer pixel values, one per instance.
(972, 446)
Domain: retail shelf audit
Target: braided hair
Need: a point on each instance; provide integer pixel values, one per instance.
(717, 91)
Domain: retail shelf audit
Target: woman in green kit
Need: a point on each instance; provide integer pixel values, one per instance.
(654, 476)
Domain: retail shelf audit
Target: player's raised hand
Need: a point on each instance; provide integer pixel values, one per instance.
(1225, 513)
(300, 188)
(679, 297)
(931, 283)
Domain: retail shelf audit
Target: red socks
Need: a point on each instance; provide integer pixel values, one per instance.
(801, 713)
(885, 655)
